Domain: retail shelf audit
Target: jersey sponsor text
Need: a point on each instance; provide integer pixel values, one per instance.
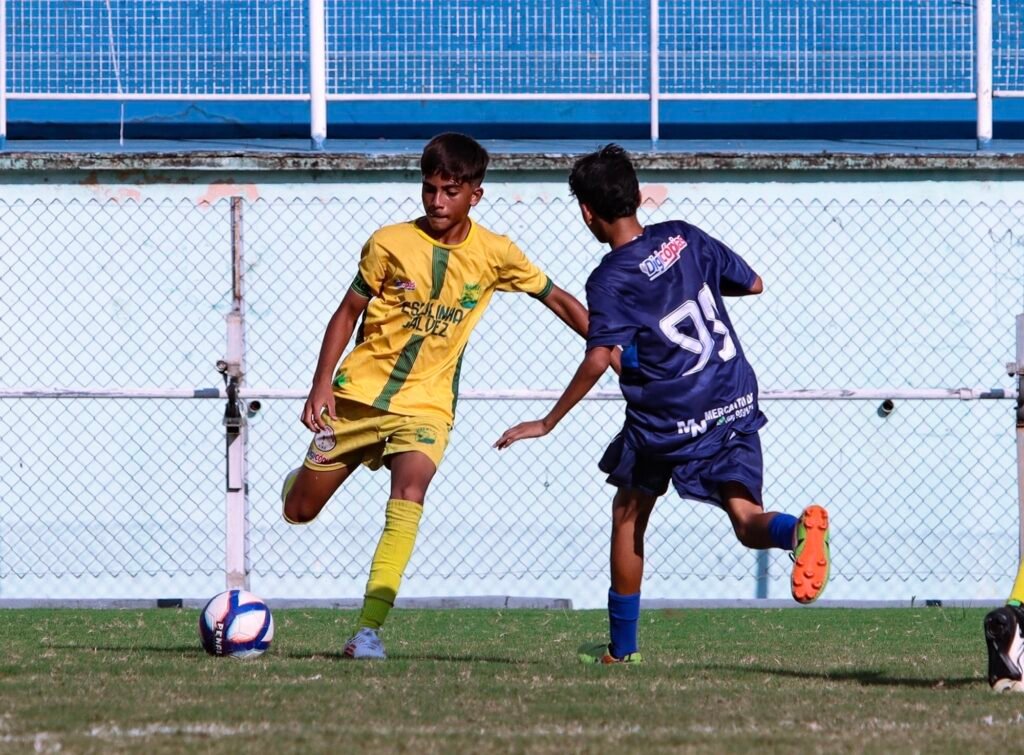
(661, 260)
(430, 317)
(719, 415)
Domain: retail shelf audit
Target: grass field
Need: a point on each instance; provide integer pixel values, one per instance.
(727, 680)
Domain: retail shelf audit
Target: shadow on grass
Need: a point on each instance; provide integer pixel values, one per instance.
(195, 649)
(309, 655)
(866, 677)
(313, 655)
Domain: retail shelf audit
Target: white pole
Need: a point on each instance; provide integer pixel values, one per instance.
(236, 535)
(983, 71)
(512, 394)
(655, 41)
(3, 72)
(317, 74)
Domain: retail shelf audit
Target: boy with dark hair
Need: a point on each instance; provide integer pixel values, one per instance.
(691, 396)
(421, 287)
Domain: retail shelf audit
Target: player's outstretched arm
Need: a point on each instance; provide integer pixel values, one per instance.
(568, 309)
(587, 374)
(339, 331)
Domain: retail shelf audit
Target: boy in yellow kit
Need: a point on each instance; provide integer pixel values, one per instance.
(422, 285)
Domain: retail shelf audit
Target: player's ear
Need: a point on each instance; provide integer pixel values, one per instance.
(588, 214)
(476, 196)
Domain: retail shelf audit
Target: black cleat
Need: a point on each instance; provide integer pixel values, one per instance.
(1003, 628)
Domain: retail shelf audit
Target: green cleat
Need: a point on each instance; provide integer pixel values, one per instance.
(600, 653)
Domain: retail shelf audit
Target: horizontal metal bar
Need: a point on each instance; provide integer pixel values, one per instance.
(142, 97)
(518, 96)
(400, 97)
(818, 96)
(809, 394)
(455, 96)
(489, 601)
(441, 602)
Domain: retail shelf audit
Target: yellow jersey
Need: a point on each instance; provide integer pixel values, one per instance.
(425, 299)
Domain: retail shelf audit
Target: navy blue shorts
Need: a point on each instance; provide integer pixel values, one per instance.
(736, 459)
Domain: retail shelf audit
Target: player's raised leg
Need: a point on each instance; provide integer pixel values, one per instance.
(306, 491)
(807, 536)
(754, 527)
(631, 511)
(411, 473)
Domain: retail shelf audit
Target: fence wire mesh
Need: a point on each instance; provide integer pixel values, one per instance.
(803, 46)
(859, 293)
(1008, 46)
(158, 47)
(260, 48)
(488, 46)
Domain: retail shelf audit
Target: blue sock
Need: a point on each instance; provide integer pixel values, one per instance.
(623, 620)
(781, 529)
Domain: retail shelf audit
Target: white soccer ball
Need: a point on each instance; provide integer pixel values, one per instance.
(236, 623)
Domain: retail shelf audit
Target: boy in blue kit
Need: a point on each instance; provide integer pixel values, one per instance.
(692, 412)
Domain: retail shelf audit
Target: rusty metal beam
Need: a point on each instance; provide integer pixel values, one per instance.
(704, 161)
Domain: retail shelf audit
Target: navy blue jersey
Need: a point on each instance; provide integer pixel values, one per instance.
(684, 374)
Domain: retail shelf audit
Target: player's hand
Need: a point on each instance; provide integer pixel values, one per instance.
(534, 429)
(321, 399)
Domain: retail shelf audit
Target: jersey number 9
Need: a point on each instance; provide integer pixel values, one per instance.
(704, 344)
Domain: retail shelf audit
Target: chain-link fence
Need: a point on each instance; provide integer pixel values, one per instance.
(122, 496)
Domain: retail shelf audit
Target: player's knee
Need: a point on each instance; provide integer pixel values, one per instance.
(744, 532)
(293, 516)
(409, 492)
(297, 510)
(630, 516)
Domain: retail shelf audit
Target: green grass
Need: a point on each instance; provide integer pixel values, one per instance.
(820, 680)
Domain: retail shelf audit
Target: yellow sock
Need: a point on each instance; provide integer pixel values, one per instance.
(1017, 593)
(401, 524)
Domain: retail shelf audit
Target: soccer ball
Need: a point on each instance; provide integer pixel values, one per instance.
(236, 623)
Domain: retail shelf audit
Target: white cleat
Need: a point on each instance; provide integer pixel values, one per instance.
(1003, 636)
(365, 645)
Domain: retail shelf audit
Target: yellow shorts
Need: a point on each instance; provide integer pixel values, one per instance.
(364, 435)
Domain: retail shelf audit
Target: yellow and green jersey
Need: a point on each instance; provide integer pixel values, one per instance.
(425, 299)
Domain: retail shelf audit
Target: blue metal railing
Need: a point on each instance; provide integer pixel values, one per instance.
(653, 50)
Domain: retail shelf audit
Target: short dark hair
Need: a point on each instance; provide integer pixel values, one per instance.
(455, 156)
(606, 182)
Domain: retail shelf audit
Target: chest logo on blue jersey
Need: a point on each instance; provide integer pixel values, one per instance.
(666, 256)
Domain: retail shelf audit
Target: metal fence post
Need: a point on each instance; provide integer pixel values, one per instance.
(761, 575)
(317, 74)
(236, 534)
(983, 71)
(3, 72)
(655, 74)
